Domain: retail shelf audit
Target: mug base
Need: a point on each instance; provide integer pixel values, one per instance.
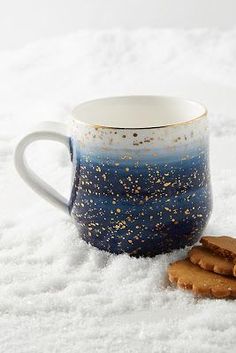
(152, 249)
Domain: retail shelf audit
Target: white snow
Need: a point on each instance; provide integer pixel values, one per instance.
(57, 294)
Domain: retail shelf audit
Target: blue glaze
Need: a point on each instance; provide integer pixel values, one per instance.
(142, 205)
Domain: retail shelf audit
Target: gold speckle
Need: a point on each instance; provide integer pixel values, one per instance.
(104, 176)
(126, 157)
(98, 169)
(187, 211)
(118, 210)
(167, 184)
(167, 209)
(130, 241)
(127, 169)
(116, 164)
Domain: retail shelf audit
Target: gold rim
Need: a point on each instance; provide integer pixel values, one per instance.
(97, 126)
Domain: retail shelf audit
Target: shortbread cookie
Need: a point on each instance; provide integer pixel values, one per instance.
(209, 284)
(210, 261)
(224, 246)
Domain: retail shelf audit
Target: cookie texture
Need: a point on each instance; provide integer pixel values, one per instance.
(224, 245)
(234, 271)
(210, 261)
(209, 284)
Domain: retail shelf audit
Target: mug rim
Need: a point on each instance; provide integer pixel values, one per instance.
(109, 98)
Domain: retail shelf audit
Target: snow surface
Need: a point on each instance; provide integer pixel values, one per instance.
(57, 294)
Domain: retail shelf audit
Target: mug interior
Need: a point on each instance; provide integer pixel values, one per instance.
(138, 111)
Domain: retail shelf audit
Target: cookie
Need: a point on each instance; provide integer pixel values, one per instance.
(209, 284)
(210, 261)
(224, 246)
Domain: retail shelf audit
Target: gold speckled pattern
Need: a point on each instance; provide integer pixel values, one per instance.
(142, 191)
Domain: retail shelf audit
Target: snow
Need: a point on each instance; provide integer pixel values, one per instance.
(57, 294)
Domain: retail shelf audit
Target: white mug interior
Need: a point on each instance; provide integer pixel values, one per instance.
(138, 111)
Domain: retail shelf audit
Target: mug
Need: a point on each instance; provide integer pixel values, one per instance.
(141, 180)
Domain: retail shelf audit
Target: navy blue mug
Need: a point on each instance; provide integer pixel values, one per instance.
(141, 180)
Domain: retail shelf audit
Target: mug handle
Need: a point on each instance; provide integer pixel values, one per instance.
(44, 131)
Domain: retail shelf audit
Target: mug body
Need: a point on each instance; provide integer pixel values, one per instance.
(141, 180)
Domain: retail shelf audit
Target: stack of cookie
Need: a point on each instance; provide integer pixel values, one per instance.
(209, 270)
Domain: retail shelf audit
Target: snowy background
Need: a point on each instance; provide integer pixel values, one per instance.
(57, 294)
(24, 21)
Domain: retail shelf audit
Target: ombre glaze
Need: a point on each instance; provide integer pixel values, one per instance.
(141, 191)
(141, 188)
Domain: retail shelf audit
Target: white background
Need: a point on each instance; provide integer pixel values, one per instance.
(27, 20)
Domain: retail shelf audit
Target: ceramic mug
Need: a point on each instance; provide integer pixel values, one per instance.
(141, 181)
